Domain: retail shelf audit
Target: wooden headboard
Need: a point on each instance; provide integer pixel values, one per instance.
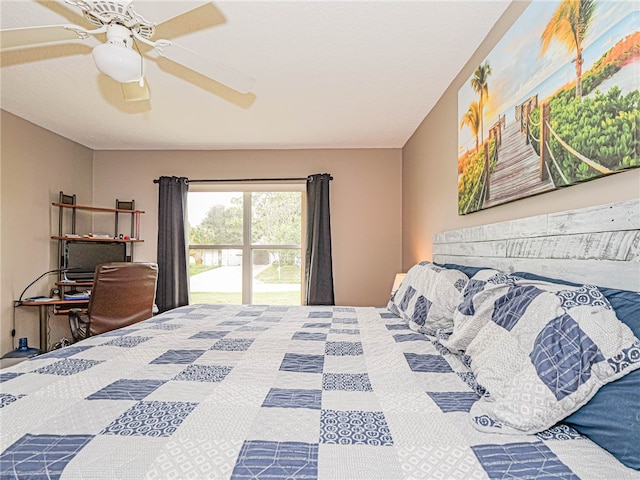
(598, 245)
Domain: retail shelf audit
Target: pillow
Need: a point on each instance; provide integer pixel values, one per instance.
(614, 429)
(427, 298)
(543, 351)
(466, 269)
(473, 311)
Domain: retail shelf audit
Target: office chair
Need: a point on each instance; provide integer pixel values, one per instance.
(123, 293)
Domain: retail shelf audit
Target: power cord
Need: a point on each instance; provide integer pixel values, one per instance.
(56, 270)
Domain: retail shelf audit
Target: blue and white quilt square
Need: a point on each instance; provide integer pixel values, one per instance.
(320, 314)
(260, 459)
(563, 355)
(124, 331)
(127, 341)
(40, 456)
(316, 325)
(7, 399)
(410, 337)
(427, 363)
(126, 389)
(204, 373)
(343, 348)
(216, 334)
(268, 318)
(346, 321)
(6, 376)
(65, 352)
(522, 460)
(253, 328)
(344, 309)
(350, 382)
(154, 419)
(313, 336)
(233, 344)
(68, 366)
(344, 331)
(293, 398)
(297, 362)
(398, 326)
(354, 428)
(234, 323)
(249, 313)
(454, 401)
(178, 356)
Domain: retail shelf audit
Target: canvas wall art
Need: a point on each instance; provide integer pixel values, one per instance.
(555, 103)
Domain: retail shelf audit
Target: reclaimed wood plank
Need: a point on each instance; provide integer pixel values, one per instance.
(623, 245)
(602, 218)
(473, 249)
(609, 217)
(519, 228)
(604, 273)
(599, 245)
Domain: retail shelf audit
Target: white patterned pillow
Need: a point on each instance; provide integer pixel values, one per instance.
(543, 351)
(474, 310)
(428, 296)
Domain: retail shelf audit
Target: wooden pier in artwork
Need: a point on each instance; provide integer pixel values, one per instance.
(517, 173)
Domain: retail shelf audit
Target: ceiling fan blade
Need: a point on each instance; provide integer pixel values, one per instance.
(204, 66)
(64, 10)
(133, 92)
(20, 37)
(199, 18)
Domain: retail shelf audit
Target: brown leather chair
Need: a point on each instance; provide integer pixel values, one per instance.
(123, 293)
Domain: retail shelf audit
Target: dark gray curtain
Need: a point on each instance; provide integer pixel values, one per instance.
(318, 263)
(173, 285)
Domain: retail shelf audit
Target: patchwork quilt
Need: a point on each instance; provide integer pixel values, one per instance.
(267, 392)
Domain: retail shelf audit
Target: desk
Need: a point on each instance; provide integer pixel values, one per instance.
(44, 318)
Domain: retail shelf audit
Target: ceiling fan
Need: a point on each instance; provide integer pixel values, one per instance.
(129, 35)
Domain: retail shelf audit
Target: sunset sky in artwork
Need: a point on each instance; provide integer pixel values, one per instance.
(519, 70)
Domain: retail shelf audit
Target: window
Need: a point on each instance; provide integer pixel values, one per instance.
(245, 247)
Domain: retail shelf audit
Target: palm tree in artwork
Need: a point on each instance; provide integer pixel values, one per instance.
(569, 25)
(480, 85)
(472, 120)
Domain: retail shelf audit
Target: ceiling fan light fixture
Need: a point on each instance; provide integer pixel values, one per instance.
(121, 63)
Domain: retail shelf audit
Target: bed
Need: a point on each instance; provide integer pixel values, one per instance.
(327, 392)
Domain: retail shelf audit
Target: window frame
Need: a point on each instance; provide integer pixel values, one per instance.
(247, 247)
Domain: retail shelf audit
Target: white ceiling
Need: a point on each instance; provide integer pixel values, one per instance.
(329, 74)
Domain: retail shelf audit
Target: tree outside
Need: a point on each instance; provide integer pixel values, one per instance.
(216, 273)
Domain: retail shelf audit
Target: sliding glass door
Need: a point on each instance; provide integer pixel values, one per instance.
(245, 247)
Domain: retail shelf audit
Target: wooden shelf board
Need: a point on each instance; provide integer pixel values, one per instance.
(95, 209)
(96, 239)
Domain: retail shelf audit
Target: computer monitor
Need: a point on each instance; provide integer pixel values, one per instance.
(81, 258)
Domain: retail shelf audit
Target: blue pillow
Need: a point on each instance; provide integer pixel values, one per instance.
(612, 417)
(467, 270)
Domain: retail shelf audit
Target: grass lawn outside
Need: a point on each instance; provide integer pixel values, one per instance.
(235, 298)
(288, 274)
(196, 269)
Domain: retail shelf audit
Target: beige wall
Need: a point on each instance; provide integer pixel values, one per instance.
(429, 186)
(36, 166)
(366, 209)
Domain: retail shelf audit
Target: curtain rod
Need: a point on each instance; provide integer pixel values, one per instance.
(220, 180)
